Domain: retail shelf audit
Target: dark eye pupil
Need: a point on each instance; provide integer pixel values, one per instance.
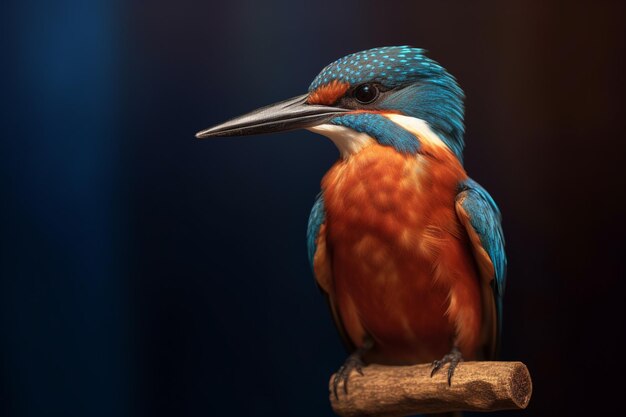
(366, 93)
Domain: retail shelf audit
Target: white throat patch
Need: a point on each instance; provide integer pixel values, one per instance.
(348, 141)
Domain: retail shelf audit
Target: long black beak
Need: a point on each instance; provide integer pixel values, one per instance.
(290, 114)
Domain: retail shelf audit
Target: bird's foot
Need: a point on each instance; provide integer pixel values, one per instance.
(354, 362)
(453, 358)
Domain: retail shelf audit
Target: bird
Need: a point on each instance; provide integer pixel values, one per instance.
(407, 248)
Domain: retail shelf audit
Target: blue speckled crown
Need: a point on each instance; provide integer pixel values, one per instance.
(390, 66)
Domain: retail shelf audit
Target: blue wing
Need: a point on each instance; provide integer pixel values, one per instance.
(316, 219)
(319, 258)
(482, 220)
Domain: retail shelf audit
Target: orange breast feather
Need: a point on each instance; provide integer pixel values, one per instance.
(402, 269)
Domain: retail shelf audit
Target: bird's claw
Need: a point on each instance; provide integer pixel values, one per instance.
(354, 362)
(453, 358)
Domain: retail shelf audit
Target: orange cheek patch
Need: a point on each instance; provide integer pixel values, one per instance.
(328, 94)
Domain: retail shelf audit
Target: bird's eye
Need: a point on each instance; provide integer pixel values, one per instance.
(366, 93)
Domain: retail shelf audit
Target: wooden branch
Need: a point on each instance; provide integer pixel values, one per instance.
(394, 391)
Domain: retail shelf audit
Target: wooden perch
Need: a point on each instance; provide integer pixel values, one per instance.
(394, 391)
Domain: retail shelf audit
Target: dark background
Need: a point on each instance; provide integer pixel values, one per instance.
(146, 273)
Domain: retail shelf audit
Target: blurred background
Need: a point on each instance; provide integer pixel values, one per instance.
(146, 273)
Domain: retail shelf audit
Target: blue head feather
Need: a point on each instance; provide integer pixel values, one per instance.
(418, 87)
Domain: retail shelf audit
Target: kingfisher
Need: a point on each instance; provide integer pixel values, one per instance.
(406, 247)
